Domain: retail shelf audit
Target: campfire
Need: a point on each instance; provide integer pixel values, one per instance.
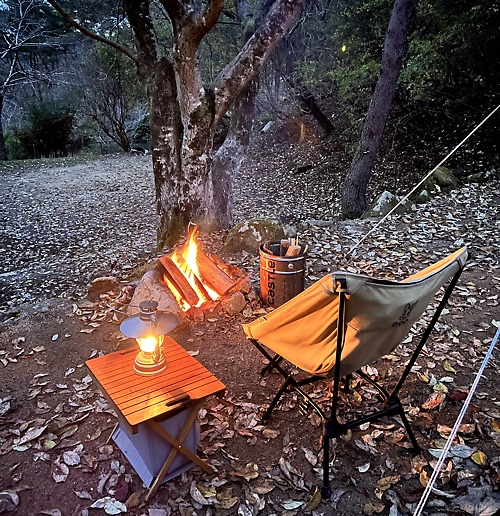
(193, 277)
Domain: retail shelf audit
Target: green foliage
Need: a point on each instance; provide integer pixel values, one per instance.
(13, 146)
(49, 130)
(453, 52)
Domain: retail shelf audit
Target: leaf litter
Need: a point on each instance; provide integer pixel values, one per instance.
(285, 482)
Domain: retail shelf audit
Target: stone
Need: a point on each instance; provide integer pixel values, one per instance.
(101, 286)
(234, 303)
(442, 178)
(445, 178)
(384, 203)
(249, 235)
(152, 287)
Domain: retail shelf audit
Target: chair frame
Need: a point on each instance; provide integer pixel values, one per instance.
(332, 427)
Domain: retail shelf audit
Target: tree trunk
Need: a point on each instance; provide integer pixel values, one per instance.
(3, 150)
(356, 182)
(185, 113)
(308, 102)
(230, 156)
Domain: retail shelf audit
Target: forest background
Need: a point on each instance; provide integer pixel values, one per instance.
(65, 94)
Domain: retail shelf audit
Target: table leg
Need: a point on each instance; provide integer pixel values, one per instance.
(177, 447)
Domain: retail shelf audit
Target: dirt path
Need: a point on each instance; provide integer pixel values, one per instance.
(63, 226)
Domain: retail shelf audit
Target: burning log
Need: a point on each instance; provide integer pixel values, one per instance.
(178, 280)
(181, 262)
(214, 277)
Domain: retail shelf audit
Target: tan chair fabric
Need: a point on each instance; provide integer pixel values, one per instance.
(378, 316)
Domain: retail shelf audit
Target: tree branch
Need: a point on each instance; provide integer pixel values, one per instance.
(234, 78)
(91, 34)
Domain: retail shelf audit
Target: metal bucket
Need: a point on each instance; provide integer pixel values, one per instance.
(281, 277)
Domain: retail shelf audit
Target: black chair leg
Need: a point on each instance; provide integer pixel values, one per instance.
(409, 431)
(283, 388)
(326, 492)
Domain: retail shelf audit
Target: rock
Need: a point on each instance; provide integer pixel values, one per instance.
(445, 178)
(151, 287)
(249, 235)
(196, 314)
(101, 286)
(422, 197)
(442, 178)
(267, 127)
(479, 177)
(299, 169)
(234, 303)
(384, 203)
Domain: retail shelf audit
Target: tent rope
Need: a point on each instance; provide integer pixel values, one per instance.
(355, 246)
(449, 442)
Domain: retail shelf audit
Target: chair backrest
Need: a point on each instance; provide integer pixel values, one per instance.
(378, 316)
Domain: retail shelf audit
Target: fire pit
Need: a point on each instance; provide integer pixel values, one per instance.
(192, 276)
(201, 283)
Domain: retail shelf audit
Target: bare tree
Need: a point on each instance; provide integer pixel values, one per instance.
(356, 181)
(111, 101)
(21, 33)
(184, 113)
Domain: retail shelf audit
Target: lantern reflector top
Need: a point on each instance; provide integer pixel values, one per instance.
(150, 322)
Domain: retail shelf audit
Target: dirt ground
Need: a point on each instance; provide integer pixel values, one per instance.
(55, 455)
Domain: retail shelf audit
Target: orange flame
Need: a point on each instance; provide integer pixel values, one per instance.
(189, 268)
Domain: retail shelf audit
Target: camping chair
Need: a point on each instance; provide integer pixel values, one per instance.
(343, 322)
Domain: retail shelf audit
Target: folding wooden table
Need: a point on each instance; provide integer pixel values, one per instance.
(150, 400)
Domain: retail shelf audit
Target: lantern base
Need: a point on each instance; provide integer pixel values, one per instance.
(145, 364)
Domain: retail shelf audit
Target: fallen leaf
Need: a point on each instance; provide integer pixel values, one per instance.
(110, 505)
(363, 468)
(424, 478)
(448, 367)
(197, 496)
(59, 471)
(373, 507)
(31, 434)
(84, 495)
(479, 458)
(9, 500)
(133, 500)
(71, 458)
(264, 487)
(290, 505)
(384, 483)
(248, 472)
(457, 395)
(270, 434)
(313, 502)
(440, 387)
(311, 457)
(434, 400)
(227, 502)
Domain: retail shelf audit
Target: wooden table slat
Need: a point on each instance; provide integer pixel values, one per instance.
(127, 378)
(159, 395)
(146, 413)
(138, 397)
(127, 392)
